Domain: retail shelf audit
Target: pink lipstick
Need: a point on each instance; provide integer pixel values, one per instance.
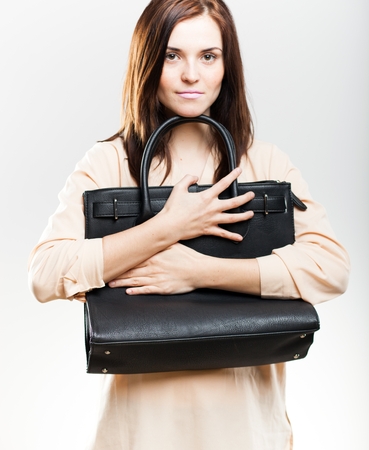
(190, 94)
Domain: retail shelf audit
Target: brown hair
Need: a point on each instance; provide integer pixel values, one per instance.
(141, 110)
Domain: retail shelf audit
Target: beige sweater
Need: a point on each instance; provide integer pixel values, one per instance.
(209, 410)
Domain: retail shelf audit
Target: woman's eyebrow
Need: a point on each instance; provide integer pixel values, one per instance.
(175, 49)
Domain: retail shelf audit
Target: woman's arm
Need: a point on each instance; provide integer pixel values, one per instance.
(315, 268)
(64, 264)
(184, 216)
(179, 269)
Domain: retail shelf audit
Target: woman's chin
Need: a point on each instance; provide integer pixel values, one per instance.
(185, 111)
(195, 112)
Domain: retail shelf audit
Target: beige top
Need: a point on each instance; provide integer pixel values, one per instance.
(240, 408)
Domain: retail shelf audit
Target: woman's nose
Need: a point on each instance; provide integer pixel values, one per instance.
(190, 73)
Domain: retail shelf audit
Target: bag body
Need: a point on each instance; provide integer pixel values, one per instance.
(204, 329)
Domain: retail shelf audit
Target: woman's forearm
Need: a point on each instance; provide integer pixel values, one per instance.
(127, 249)
(239, 275)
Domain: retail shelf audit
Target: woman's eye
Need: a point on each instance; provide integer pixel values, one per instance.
(209, 57)
(170, 56)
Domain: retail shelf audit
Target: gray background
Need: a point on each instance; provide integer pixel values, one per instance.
(62, 65)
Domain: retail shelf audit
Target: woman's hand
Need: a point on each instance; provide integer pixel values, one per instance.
(172, 271)
(185, 215)
(179, 269)
(195, 214)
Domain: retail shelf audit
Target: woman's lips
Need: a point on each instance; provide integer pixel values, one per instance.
(190, 94)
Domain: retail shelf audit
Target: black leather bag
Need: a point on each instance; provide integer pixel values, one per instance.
(204, 329)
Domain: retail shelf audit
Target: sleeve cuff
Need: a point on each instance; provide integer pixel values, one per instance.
(86, 271)
(275, 279)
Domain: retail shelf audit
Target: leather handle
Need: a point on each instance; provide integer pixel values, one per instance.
(151, 146)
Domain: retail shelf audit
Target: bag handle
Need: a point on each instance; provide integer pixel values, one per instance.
(151, 146)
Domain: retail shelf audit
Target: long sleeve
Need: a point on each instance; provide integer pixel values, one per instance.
(316, 266)
(64, 263)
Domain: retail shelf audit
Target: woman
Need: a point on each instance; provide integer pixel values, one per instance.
(191, 67)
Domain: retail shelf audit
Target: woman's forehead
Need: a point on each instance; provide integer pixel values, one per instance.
(200, 31)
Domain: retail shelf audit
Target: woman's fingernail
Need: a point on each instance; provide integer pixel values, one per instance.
(112, 284)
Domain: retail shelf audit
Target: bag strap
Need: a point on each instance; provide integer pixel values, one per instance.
(151, 146)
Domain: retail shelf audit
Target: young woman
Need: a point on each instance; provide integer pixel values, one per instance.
(192, 66)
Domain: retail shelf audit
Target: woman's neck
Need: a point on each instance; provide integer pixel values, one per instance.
(190, 141)
(190, 146)
(191, 152)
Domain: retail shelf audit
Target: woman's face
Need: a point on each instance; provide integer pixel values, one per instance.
(193, 69)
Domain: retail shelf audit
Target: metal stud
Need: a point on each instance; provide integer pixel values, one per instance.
(303, 336)
(297, 356)
(115, 209)
(104, 370)
(266, 212)
(107, 352)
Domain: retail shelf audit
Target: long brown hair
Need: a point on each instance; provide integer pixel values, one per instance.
(141, 110)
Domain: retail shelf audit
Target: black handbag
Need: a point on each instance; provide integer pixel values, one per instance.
(206, 328)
